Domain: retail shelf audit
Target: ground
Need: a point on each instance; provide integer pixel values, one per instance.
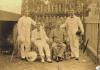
(85, 63)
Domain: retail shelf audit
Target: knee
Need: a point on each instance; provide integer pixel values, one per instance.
(63, 45)
(54, 45)
(42, 54)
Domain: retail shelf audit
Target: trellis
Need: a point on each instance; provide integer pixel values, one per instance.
(56, 10)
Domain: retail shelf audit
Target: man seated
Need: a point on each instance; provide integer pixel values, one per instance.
(58, 38)
(40, 39)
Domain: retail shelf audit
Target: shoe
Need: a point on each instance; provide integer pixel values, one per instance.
(57, 60)
(42, 61)
(72, 57)
(60, 59)
(49, 60)
(23, 58)
(76, 58)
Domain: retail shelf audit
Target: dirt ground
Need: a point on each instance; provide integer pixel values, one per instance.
(85, 63)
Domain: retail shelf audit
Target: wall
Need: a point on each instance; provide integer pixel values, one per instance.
(6, 29)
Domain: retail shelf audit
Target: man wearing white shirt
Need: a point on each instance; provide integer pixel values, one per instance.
(40, 39)
(73, 24)
(24, 31)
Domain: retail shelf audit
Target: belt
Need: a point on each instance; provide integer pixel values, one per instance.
(38, 39)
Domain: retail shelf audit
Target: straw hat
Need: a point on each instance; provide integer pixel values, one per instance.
(31, 56)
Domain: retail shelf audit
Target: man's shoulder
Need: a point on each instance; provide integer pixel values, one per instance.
(21, 18)
(54, 30)
(34, 30)
(77, 17)
(67, 18)
(30, 18)
(63, 31)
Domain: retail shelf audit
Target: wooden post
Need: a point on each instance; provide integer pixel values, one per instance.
(98, 44)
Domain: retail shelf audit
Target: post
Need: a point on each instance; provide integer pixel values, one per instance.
(98, 45)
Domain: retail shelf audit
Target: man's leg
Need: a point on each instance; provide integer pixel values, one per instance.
(76, 47)
(27, 48)
(61, 50)
(40, 49)
(72, 45)
(54, 50)
(47, 51)
(22, 51)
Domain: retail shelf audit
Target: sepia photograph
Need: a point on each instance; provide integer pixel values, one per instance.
(49, 34)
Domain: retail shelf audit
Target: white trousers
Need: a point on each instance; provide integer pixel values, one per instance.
(58, 51)
(74, 45)
(43, 47)
(25, 47)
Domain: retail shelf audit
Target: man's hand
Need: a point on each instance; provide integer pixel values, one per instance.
(67, 41)
(82, 33)
(20, 39)
(50, 40)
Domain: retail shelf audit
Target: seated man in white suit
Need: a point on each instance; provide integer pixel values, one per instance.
(39, 38)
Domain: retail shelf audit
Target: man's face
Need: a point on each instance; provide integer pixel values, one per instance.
(38, 26)
(58, 26)
(71, 13)
(26, 13)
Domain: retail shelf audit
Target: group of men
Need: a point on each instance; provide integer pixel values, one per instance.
(63, 34)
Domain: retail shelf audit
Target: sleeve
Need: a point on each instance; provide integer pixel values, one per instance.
(19, 30)
(80, 25)
(33, 36)
(45, 35)
(64, 24)
(65, 34)
(19, 23)
(33, 22)
(51, 34)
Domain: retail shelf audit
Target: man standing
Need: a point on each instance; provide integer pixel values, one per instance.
(40, 39)
(73, 24)
(24, 27)
(58, 37)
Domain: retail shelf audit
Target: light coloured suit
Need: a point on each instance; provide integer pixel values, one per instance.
(39, 38)
(24, 27)
(58, 45)
(72, 25)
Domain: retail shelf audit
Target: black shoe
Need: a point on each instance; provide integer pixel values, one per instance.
(57, 59)
(23, 59)
(60, 59)
(76, 58)
(72, 57)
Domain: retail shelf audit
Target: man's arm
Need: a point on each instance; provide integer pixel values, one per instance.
(19, 25)
(19, 30)
(32, 21)
(81, 26)
(51, 36)
(44, 34)
(33, 36)
(63, 25)
(65, 34)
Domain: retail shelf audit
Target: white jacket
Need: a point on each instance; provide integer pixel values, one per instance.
(35, 35)
(72, 25)
(24, 27)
